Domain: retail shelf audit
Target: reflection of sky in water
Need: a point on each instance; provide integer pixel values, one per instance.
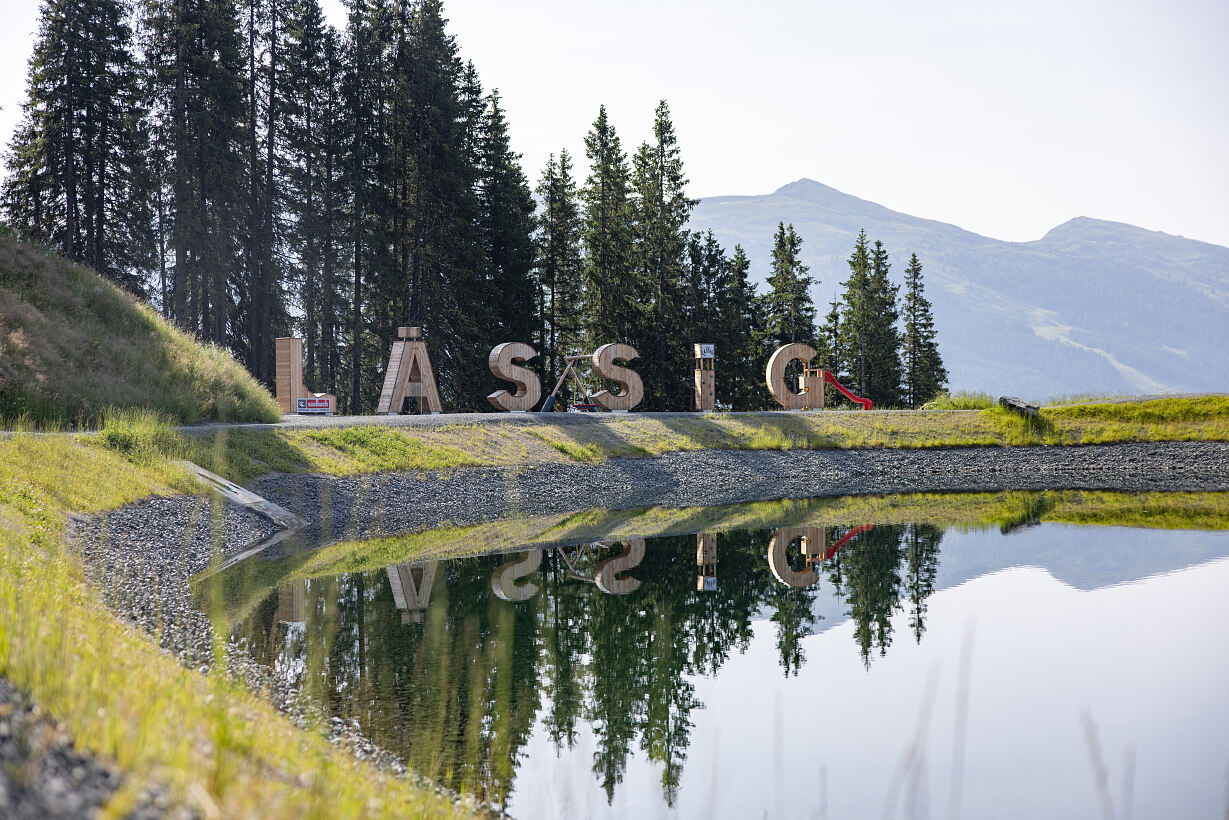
(1122, 625)
(1147, 660)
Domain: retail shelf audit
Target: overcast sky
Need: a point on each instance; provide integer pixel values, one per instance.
(1004, 118)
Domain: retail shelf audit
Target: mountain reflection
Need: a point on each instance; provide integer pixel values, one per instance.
(449, 664)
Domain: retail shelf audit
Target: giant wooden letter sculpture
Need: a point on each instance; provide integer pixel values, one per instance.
(778, 551)
(503, 364)
(290, 390)
(706, 385)
(631, 389)
(409, 375)
(504, 580)
(810, 393)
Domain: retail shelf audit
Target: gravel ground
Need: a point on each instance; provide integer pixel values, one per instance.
(399, 502)
(43, 776)
(142, 556)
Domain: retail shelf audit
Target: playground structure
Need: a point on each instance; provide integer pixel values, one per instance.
(605, 362)
(815, 549)
(292, 395)
(810, 392)
(503, 364)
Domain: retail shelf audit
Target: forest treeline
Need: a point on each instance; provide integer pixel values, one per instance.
(255, 173)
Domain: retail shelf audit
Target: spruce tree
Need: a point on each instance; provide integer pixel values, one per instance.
(507, 213)
(789, 313)
(740, 370)
(869, 341)
(925, 375)
(558, 267)
(612, 297)
(78, 176)
(661, 211)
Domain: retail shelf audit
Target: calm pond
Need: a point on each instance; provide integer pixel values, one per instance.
(975, 657)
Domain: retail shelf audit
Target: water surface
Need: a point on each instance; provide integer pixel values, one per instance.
(820, 669)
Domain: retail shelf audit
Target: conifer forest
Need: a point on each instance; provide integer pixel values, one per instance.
(255, 173)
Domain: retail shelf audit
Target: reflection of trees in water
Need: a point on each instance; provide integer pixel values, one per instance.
(454, 682)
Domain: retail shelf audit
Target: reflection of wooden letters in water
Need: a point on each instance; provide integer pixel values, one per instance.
(410, 594)
(409, 375)
(778, 551)
(503, 363)
(504, 580)
(811, 389)
(605, 577)
(290, 603)
(706, 561)
(631, 389)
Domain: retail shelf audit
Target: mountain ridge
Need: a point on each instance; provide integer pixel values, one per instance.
(1093, 306)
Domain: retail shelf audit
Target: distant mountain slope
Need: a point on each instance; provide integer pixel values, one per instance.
(1090, 307)
(73, 345)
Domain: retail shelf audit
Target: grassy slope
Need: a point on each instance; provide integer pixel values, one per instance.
(218, 747)
(73, 345)
(245, 454)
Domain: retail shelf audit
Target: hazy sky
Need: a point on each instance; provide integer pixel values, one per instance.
(1003, 118)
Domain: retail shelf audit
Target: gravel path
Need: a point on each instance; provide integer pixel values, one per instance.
(386, 503)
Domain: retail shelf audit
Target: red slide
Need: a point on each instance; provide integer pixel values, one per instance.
(845, 539)
(830, 379)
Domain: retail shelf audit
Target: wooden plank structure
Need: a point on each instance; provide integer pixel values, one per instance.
(409, 375)
(290, 598)
(706, 561)
(503, 363)
(289, 378)
(706, 383)
(812, 538)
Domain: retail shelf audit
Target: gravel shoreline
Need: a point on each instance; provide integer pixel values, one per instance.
(141, 557)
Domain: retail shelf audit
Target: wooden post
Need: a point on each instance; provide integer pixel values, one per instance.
(810, 394)
(503, 363)
(290, 599)
(409, 375)
(631, 389)
(706, 561)
(706, 385)
(292, 395)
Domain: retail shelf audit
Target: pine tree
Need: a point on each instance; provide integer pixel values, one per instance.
(740, 374)
(925, 375)
(78, 175)
(612, 297)
(831, 353)
(789, 313)
(885, 374)
(559, 267)
(869, 342)
(661, 211)
(507, 210)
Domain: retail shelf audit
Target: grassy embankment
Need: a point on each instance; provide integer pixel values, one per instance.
(72, 346)
(246, 453)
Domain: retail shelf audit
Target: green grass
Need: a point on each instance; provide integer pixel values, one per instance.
(73, 345)
(216, 746)
(961, 400)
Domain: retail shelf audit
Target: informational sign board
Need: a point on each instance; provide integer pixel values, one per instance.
(708, 351)
(310, 405)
